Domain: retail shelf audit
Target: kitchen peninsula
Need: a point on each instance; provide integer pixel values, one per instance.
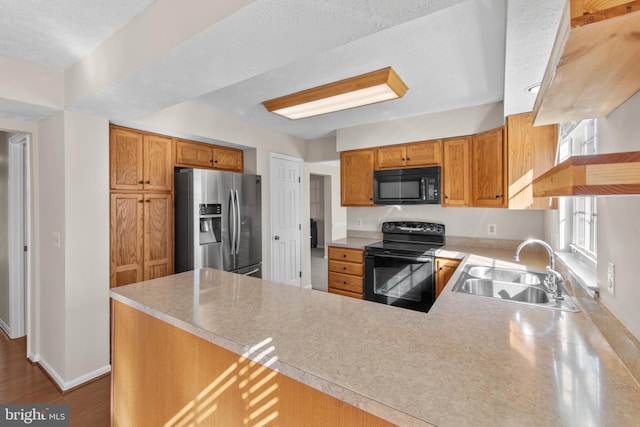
(205, 345)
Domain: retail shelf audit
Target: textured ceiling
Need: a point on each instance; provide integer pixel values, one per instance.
(451, 53)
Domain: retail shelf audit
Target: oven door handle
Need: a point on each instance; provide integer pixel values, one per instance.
(408, 258)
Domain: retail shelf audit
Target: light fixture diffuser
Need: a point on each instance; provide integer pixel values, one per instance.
(365, 89)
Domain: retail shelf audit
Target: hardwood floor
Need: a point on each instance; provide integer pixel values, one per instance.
(22, 382)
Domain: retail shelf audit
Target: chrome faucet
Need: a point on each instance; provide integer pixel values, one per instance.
(553, 279)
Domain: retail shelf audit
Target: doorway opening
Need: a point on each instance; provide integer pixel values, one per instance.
(14, 237)
(320, 228)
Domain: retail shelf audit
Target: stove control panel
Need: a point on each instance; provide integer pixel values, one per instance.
(413, 227)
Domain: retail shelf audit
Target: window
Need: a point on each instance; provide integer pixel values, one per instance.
(578, 215)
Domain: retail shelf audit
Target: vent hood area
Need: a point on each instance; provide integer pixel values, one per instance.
(595, 175)
(594, 64)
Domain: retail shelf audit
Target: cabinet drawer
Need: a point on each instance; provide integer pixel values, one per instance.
(346, 268)
(345, 293)
(346, 254)
(345, 282)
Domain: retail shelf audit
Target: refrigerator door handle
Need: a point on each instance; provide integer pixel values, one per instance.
(232, 222)
(238, 222)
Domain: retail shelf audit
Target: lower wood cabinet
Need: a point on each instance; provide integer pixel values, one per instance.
(141, 237)
(346, 271)
(445, 267)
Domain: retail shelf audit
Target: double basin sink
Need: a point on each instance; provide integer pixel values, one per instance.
(519, 286)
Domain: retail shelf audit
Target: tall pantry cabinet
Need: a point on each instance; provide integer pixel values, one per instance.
(141, 206)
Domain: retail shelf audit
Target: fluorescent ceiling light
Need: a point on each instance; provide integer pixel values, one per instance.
(365, 89)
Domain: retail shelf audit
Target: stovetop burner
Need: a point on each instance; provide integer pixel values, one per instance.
(409, 237)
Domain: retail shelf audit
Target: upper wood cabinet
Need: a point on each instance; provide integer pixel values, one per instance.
(140, 161)
(202, 155)
(356, 177)
(228, 159)
(531, 152)
(140, 236)
(456, 172)
(423, 153)
(193, 154)
(489, 170)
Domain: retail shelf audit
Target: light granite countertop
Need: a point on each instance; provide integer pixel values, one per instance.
(469, 361)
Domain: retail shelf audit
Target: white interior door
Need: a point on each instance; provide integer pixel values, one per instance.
(285, 220)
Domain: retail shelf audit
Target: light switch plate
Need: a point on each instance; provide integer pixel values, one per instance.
(492, 229)
(55, 239)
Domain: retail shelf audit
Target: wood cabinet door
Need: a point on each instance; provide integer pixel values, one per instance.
(391, 157)
(356, 172)
(445, 267)
(456, 172)
(158, 163)
(424, 153)
(193, 154)
(531, 152)
(228, 159)
(126, 238)
(158, 235)
(125, 159)
(489, 170)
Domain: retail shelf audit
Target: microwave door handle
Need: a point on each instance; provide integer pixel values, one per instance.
(423, 187)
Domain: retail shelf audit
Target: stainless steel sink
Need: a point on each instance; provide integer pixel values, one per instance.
(507, 275)
(519, 286)
(504, 290)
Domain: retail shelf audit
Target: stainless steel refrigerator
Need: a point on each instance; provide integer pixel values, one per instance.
(218, 221)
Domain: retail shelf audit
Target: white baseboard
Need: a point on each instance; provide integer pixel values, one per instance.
(5, 328)
(66, 385)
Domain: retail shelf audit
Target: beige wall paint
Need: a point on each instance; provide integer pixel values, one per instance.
(464, 121)
(50, 283)
(31, 84)
(86, 178)
(463, 222)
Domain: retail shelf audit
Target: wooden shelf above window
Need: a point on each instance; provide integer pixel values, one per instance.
(594, 64)
(600, 174)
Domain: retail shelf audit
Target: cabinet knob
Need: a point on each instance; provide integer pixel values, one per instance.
(446, 197)
(499, 196)
(403, 159)
(148, 200)
(211, 161)
(140, 201)
(215, 161)
(344, 268)
(344, 283)
(408, 158)
(147, 182)
(140, 182)
(344, 255)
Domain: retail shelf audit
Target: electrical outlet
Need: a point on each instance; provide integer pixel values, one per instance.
(55, 239)
(359, 222)
(611, 278)
(492, 229)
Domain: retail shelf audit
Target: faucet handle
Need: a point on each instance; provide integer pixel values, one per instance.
(553, 281)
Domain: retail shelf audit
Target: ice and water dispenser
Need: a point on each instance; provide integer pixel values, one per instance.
(210, 223)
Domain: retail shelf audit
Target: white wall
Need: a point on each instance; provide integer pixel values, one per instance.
(50, 282)
(618, 225)
(464, 121)
(461, 222)
(86, 170)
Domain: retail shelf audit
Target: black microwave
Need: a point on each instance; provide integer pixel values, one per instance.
(407, 186)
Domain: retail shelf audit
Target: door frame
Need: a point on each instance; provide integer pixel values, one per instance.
(19, 235)
(297, 160)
